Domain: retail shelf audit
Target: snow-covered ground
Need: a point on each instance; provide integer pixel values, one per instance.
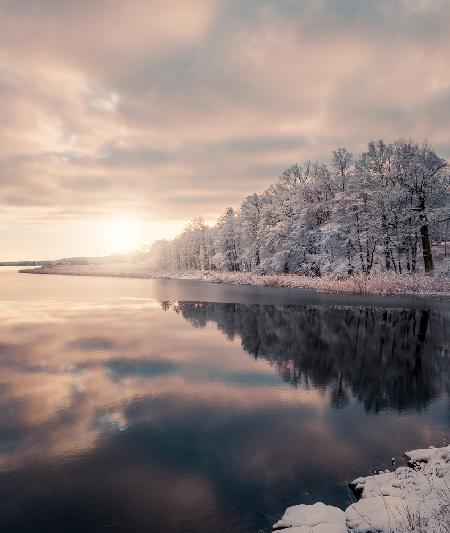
(413, 498)
(382, 284)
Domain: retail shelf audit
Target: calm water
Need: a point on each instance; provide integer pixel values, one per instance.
(134, 406)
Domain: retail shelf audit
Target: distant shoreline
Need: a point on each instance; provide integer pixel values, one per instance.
(375, 284)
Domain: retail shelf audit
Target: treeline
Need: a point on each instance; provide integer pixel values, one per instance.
(380, 211)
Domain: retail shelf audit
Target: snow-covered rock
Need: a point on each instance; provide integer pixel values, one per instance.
(378, 513)
(424, 489)
(317, 518)
(320, 528)
(421, 456)
(413, 498)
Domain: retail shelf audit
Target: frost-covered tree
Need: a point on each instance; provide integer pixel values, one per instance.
(342, 163)
(379, 211)
(251, 234)
(423, 177)
(227, 242)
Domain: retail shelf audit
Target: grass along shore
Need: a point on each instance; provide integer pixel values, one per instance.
(375, 284)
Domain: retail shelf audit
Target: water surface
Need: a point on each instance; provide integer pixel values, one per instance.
(141, 406)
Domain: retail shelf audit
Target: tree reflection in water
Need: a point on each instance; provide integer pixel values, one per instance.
(385, 358)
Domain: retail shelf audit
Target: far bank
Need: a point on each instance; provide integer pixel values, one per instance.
(374, 288)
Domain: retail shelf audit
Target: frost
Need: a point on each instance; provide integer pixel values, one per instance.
(380, 212)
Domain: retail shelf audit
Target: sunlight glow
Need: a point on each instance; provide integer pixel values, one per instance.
(123, 235)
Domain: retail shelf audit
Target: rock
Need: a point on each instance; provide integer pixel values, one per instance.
(317, 518)
(378, 513)
(410, 498)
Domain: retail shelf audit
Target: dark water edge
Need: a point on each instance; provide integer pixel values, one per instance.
(126, 406)
(184, 289)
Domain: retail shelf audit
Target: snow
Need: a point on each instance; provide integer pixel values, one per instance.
(379, 513)
(320, 528)
(317, 518)
(420, 456)
(378, 284)
(413, 498)
(355, 216)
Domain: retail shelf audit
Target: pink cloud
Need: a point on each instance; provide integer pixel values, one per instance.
(171, 110)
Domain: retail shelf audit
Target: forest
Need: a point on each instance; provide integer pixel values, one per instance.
(382, 211)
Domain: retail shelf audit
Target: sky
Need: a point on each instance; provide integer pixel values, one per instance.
(121, 121)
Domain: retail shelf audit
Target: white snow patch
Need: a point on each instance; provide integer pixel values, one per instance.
(420, 456)
(412, 498)
(317, 518)
(378, 513)
(320, 528)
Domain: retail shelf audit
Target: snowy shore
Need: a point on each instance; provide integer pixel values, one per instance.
(413, 498)
(375, 284)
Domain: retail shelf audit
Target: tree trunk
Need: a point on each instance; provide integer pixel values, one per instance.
(386, 243)
(414, 253)
(426, 248)
(425, 238)
(446, 233)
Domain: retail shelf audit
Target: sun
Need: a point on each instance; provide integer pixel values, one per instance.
(122, 235)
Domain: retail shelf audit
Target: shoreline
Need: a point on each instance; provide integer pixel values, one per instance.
(415, 497)
(414, 285)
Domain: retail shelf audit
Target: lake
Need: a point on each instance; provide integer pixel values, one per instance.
(169, 406)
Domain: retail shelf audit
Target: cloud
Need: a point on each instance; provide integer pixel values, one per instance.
(171, 110)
